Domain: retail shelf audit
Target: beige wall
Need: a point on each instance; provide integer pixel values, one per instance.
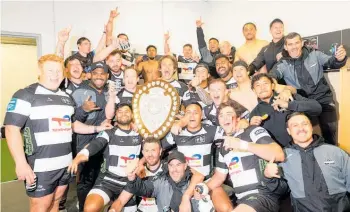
(18, 70)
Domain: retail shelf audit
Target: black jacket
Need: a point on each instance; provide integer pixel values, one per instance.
(306, 73)
(162, 187)
(208, 57)
(318, 177)
(266, 56)
(275, 124)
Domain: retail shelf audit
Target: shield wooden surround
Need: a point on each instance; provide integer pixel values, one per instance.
(155, 105)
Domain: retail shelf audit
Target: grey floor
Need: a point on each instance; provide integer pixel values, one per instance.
(14, 198)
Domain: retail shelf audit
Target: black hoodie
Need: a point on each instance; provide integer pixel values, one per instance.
(266, 56)
(318, 177)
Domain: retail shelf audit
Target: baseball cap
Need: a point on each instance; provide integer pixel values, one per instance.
(178, 156)
(99, 65)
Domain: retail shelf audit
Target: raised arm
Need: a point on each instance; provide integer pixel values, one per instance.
(334, 62)
(103, 54)
(166, 44)
(63, 36)
(110, 106)
(101, 44)
(109, 26)
(202, 45)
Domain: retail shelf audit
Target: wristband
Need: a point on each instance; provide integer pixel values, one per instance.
(84, 152)
(243, 145)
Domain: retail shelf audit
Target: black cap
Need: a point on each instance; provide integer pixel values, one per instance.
(99, 65)
(176, 155)
(240, 63)
(122, 105)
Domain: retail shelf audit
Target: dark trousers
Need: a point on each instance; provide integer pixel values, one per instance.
(87, 176)
(328, 121)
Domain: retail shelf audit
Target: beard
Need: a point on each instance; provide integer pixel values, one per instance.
(124, 122)
(225, 74)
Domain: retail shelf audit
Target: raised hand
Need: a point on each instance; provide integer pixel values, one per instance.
(114, 13)
(341, 53)
(167, 36)
(199, 22)
(63, 35)
(89, 105)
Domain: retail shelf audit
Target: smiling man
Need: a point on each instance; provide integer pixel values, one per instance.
(272, 53)
(317, 173)
(303, 68)
(119, 145)
(93, 100)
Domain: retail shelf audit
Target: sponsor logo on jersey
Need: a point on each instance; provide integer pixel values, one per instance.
(259, 131)
(61, 124)
(148, 201)
(195, 160)
(234, 164)
(127, 158)
(12, 105)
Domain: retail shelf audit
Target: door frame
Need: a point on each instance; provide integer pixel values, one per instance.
(37, 38)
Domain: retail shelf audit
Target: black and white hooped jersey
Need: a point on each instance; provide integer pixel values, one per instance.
(121, 146)
(124, 96)
(209, 115)
(180, 87)
(149, 204)
(245, 169)
(231, 83)
(191, 96)
(196, 146)
(45, 119)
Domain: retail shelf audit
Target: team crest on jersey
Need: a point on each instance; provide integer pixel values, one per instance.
(200, 139)
(66, 100)
(12, 105)
(135, 140)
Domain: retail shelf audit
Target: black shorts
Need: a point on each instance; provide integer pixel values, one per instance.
(109, 189)
(260, 202)
(47, 182)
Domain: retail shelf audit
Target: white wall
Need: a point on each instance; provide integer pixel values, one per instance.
(145, 22)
